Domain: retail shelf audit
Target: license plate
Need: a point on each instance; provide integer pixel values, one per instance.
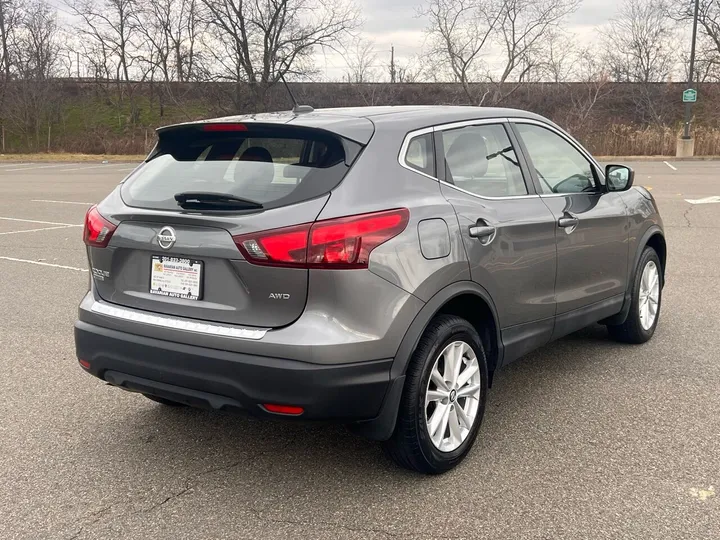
(176, 277)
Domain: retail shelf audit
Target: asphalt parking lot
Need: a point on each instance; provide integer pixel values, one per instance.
(585, 438)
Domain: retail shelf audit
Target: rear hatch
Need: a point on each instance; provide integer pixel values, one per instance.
(171, 238)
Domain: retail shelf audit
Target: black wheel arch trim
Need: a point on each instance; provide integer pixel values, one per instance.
(641, 245)
(432, 308)
(382, 427)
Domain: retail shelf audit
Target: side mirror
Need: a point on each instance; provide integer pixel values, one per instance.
(619, 177)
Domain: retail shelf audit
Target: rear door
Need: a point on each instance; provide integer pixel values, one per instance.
(509, 234)
(592, 224)
(185, 257)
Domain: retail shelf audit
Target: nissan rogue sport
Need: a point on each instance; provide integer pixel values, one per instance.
(373, 266)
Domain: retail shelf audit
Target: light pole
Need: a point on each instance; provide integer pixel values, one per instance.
(688, 105)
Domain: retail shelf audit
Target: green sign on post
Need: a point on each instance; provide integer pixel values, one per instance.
(690, 96)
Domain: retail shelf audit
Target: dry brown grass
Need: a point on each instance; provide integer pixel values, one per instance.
(615, 140)
(67, 157)
(625, 140)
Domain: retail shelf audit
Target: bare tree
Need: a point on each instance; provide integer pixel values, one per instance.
(408, 71)
(171, 28)
(458, 34)
(35, 44)
(593, 84)
(707, 60)
(708, 20)
(361, 59)
(109, 27)
(9, 15)
(260, 41)
(34, 48)
(114, 48)
(639, 43)
(556, 60)
(640, 48)
(523, 31)
(707, 64)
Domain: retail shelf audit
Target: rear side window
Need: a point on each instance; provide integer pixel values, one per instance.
(420, 154)
(481, 160)
(271, 165)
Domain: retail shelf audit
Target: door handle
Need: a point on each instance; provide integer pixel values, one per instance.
(566, 222)
(483, 232)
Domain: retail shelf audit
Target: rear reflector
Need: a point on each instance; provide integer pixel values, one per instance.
(84, 363)
(98, 230)
(283, 409)
(334, 243)
(225, 126)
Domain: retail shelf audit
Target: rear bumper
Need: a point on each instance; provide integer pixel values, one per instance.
(218, 379)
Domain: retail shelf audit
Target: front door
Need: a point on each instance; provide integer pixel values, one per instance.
(592, 225)
(508, 232)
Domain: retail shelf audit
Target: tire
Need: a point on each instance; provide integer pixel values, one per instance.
(412, 445)
(635, 329)
(164, 401)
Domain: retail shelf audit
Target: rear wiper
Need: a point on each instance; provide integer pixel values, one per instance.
(199, 200)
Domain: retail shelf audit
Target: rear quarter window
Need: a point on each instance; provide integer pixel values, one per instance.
(274, 166)
(420, 154)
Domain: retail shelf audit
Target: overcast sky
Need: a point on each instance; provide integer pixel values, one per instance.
(395, 22)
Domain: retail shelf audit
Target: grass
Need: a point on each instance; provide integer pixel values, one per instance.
(69, 157)
(627, 140)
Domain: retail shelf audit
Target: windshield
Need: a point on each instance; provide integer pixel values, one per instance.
(273, 169)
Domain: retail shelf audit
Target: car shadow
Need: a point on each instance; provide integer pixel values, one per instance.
(192, 442)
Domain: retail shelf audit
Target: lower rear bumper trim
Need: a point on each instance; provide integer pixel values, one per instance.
(222, 379)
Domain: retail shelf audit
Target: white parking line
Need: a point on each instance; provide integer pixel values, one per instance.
(38, 221)
(44, 264)
(671, 166)
(106, 165)
(62, 202)
(36, 167)
(38, 230)
(15, 165)
(706, 200)
(24, 168)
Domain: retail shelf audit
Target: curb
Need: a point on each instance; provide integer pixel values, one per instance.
(608, 159)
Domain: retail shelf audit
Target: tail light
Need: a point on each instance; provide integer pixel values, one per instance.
(334, 243)
(98, 230)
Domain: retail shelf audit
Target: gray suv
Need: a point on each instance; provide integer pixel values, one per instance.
(373, 266)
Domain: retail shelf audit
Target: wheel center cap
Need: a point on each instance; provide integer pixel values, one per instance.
(453, 395)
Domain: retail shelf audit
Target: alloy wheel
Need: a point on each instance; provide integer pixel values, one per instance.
(452, 397)
(649, 295)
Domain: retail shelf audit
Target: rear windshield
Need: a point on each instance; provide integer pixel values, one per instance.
(273, 166)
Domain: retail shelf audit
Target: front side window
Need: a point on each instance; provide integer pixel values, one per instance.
(481, 160)
(559, 166)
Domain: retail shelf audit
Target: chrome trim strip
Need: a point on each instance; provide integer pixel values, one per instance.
(487, 197)
(403, 150)
(444, 127)
(465, 123)
(177, 324)
(551, 195)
